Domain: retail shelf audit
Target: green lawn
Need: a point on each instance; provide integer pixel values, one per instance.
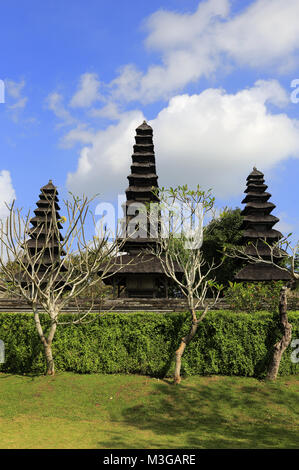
(130, 411)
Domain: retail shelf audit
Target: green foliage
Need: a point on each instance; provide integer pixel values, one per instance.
(226, 343)
(250, 297)
(220, 232)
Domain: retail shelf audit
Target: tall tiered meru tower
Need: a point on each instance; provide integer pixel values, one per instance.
(258, 226)
(144, 276)
(44, 244)
(142, 181)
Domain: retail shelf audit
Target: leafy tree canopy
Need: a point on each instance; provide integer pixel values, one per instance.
(220, 232)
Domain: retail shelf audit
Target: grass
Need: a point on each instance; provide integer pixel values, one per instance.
(130, 411)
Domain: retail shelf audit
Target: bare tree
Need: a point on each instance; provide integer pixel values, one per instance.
(49, 275)
(284, 257)
(179, 231)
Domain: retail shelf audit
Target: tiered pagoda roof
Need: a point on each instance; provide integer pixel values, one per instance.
(139, 272)
(142, 181)
(44, 235)
(257, 226)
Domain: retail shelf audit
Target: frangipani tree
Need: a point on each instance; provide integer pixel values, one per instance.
(179, 235)
(283, 255)
(51, 273)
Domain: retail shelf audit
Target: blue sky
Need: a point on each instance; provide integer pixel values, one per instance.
(212, 77)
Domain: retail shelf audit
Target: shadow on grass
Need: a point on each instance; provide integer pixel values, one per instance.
(222, 414)
(32, 376)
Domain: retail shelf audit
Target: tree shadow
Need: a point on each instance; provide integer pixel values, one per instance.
(31, 376)
(214, 416)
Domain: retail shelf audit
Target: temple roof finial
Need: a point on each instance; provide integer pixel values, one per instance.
(144, 126)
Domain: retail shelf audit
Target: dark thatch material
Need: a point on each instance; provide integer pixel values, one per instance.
(144, 275)
(257, 226)
(42, 234)
(143, 264)
(262, 272)
(142, 180)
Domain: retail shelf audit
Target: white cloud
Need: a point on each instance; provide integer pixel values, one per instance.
(79, 134)
(270, 91)
(212, 139)
(266, 33)
(88, 91)
(170, 31)
(103, 164)
(55, 103)
(109, 111)
(20, 104)
(192, 46)
(284, 225)
(17, 102)
(7, 192)
(215, 138)
(14, 89)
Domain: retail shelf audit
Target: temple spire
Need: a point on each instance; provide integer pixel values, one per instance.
(141, 274)
(257, 226)
(44, 235)
(142, 181)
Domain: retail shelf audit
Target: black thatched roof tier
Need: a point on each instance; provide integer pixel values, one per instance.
(45, 212)
(263, 250)
(140, 189)
(256, 196)
(141, 149)
(43, 203)
(257, 225)
(42, 229)
(38, 238)
(142, 264)
(49, 188)
(142, 176)
(255, 174)
(144, 128)
(137, 245)
(252, 208)
(144, 154)
(262, 272)
(260, 218)
(41, 273)
(44, 196)
(255, 187)
(143, 158)
(264, 234)
(36, 220)
(145, 163)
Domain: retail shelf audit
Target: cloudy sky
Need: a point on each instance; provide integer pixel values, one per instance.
(218, 80)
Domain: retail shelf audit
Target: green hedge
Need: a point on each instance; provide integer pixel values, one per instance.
(144, 343)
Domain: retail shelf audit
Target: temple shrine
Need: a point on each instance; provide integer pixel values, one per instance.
(142, 274)
(44, 235)
(258, 223)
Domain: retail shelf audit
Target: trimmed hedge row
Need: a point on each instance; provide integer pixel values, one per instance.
(144, 343)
